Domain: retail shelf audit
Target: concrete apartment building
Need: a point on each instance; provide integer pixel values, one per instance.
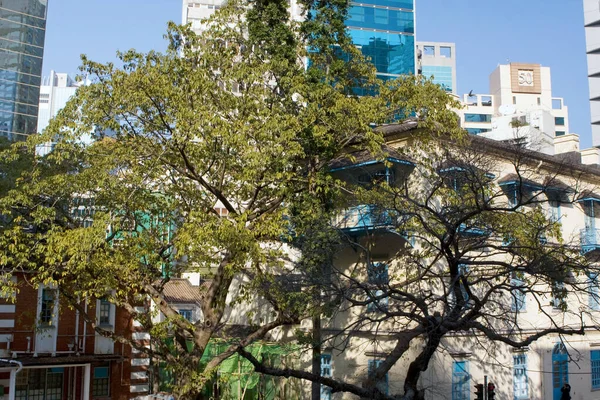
(55, 91)
(518, 92)
(438, 59)
(22, 34)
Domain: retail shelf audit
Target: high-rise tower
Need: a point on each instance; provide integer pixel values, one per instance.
(384, 30)
(22, 33)
(591, 9)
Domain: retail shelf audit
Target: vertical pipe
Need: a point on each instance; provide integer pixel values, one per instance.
(86, 382)
(12, 386)
(85, 328)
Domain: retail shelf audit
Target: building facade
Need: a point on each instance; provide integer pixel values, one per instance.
(384, 30)
(520, 106)
(55, 91)
(22, 34)
(591, 16)
(537, 371)
(49, 351)
(438, 60)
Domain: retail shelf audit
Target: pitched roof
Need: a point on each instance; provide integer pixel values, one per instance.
(181, 291)
(365, 156)
(567, 163)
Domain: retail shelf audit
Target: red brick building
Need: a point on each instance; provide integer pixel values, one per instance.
(48, 350)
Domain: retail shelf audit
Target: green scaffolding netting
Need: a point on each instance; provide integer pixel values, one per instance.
(236, 378)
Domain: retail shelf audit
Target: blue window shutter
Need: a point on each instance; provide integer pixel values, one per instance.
(461, 381)
(382, 385)
(520, 380)
(595, 361)
(326, 372)
(519, 301)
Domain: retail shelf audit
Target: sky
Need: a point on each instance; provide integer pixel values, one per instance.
(486, 33)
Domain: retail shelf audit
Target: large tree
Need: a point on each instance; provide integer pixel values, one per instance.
(212, 158)
(444, 238)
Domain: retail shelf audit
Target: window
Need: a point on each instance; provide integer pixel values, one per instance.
(446, 51)
(558, 295)
(40, 383)
(187, 314)
(104, 312)
(460, 381)
(101, 383)
(486, 101)
(560, 133)
(47, 309)
(539, 101)
(377, 273)
(560, 366)
(429, 51)
(378, 176)
(514, 99)
(518, 293)
(520, 384)
(382, 384)
(554, 211)
(478, 118)
(594, 299)
(595, 361)
(477, 131)
(560, 121)
(463, 270)
(326, 372)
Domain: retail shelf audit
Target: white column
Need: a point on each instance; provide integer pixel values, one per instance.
(86, 382)
(12, 386)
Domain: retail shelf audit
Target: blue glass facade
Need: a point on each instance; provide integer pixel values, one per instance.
(441, 75)
(384, 31)
(22, 34)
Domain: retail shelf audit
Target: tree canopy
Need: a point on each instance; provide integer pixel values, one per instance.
(212, 158)
(217, 157)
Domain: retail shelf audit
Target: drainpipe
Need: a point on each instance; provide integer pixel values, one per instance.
(85, 327)
(12, 387)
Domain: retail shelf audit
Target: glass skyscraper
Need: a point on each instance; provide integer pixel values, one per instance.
(384, 30)
(22, 33)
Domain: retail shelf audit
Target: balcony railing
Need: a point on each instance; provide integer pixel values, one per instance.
(471, 231)
(589, 239)
(364, 218)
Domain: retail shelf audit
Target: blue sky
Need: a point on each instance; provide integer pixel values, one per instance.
(486, 33)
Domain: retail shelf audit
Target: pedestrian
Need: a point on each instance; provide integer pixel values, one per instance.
(566, 392)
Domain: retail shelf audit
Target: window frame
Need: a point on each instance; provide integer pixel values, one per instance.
(47, 306)
(101, 385)
(104, 312)
(372, 366)
(520, 377)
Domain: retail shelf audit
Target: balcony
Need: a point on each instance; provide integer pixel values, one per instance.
(471, 231)
(590, 240)
(364, 218)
